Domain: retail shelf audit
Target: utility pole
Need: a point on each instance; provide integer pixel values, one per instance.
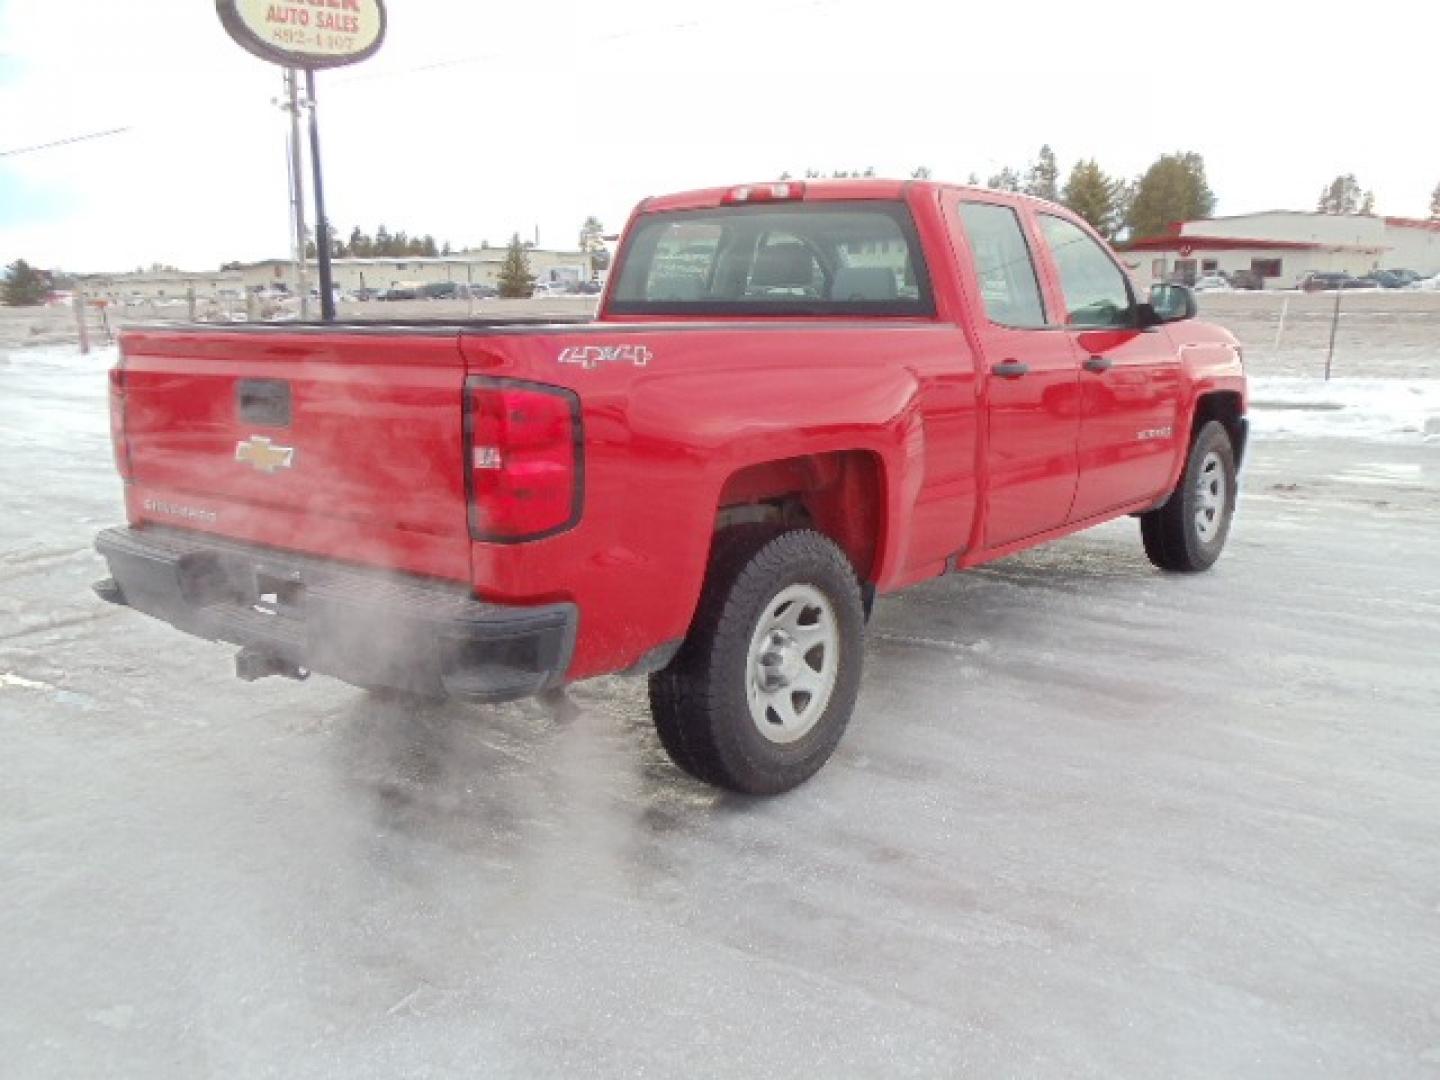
(297, 189)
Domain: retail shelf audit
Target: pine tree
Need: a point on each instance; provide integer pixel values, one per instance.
(1173, 189)
(1092, 195)
(383, 242)
(592, 242)
(25, 286)
(1367, 204)
(515, 279)
(1124, 202)
(1043, 179)
(1007, 179)
(1341, 196)
(920, 172)
(592, 235)
(1435, 204)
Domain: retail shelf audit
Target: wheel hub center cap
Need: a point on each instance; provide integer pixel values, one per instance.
(780, 662)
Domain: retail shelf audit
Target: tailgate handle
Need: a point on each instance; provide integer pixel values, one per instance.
(264, 401)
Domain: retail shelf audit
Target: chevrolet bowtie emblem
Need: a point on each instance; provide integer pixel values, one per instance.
(264, 456)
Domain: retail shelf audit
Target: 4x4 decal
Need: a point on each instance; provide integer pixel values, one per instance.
(590, 357)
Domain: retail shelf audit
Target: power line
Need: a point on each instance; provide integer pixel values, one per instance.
(63, 142)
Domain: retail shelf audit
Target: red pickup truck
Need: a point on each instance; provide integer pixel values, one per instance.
(794, 397)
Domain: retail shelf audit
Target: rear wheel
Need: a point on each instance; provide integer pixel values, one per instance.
(759, 695)
(1189, 531)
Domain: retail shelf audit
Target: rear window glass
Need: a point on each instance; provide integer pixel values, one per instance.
(833, 258)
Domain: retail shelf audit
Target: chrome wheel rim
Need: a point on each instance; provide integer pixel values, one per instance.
(1210, 496)
(793, 660)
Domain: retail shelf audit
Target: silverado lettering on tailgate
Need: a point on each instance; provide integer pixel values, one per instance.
(190, 513)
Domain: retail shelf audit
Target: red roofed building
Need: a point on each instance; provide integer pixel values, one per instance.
(1281, 246)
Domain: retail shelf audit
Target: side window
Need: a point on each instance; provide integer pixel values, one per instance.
(1096, 292)
(1009, 286)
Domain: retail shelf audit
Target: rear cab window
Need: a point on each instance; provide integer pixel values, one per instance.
(1004, 266)
(852, 258)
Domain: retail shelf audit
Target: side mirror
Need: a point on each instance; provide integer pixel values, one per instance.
(1171, 303)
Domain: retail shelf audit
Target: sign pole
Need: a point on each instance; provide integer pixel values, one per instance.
(322, 223)
(297, 191)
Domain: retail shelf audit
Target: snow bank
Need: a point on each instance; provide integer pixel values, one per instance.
(1401, 409)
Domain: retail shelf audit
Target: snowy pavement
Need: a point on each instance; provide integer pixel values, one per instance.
(1089, 820)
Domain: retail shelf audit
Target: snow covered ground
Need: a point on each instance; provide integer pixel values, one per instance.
(1089, 820)
(1398, 409)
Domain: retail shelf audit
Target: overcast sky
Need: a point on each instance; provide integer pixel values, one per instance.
(543, 113)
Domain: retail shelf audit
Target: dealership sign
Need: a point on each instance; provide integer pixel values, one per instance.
(306, 33)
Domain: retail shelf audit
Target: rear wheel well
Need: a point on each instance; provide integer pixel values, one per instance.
(838, 494)
(1222, 406)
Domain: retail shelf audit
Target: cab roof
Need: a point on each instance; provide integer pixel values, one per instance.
(812, 191)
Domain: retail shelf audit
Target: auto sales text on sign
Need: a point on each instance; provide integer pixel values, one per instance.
(306, 33)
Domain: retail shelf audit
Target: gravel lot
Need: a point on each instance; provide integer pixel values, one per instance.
(1089, 820)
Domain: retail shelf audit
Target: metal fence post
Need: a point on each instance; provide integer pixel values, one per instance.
(1334, 324)
(80, 326)
(1280, 330)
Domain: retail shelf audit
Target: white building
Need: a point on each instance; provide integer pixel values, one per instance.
(480, 267)
(1282, 246)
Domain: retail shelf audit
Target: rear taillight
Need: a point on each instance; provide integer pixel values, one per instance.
(118, 440)
(522, 458)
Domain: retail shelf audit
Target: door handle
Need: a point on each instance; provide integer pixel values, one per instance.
(1097, 364)
(1010, 369)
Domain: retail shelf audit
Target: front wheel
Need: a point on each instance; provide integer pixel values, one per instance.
(1189, 531)
(760, 693)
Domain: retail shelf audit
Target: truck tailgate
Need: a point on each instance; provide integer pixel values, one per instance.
(343, 444)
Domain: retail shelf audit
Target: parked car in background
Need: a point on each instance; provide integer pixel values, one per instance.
(1246, 279)
(402, 292)
(440, 290)
(548, 288)
(1407, 277)
(482, 292)
(1211, 282)
(583, 288)
(1384, 279)
(1326, 280)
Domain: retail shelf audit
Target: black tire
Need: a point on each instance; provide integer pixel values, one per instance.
(700, 703)
(1173, 535)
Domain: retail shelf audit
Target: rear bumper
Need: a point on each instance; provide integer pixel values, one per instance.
(367, 627)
